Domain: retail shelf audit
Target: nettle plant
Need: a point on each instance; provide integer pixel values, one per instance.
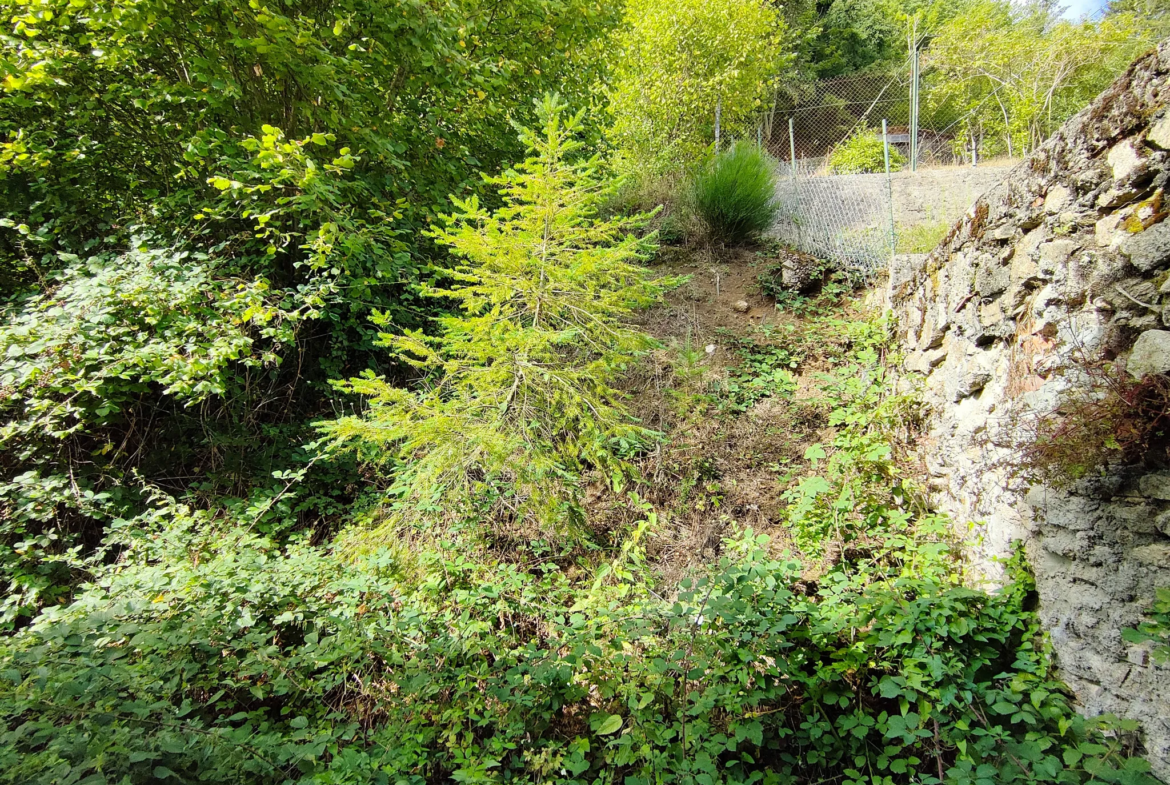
(516, 384)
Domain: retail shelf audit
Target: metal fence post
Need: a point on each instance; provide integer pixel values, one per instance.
(889, 189)
(914, 107)
(718, 112)
(791, 151)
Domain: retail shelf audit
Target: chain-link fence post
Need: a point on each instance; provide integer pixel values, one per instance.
(914, 107)
(791, 151)
(718, 113)
(889, 188)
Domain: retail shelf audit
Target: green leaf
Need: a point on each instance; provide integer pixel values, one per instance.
(605, 724)
(814, 452)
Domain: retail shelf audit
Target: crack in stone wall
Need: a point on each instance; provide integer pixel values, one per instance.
(1067, 258)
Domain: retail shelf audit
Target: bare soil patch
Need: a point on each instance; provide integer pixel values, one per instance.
(717, 468)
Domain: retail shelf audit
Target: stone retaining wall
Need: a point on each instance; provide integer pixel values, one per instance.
(1064, 262)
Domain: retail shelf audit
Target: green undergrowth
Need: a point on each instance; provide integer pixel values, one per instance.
(208, 651)
(766, 368)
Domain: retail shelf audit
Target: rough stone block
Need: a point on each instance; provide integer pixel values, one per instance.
(1155, 485)
(1057, 199)
(1162, 523)
(903, 269)
(1105, 231)
(1136, 518)
(1150, 249)
(1150, 355)
(991, 278)
(991, 314)
(1024, 269)
(1159, 133)
(1156, 555)
(971, 381)
(1139, 654)
(1061, 543)
(1125, 159)
(933, 332)
(1055, 254)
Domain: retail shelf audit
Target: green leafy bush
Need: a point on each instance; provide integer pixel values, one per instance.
(317, 669)
(673, 62)
(863, 152)
(736, 193)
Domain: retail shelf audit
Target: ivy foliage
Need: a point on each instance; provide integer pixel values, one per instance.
(518, 381)
(210, 653)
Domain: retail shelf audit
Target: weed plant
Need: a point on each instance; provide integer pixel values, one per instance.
(921, 238)
(1111, 418)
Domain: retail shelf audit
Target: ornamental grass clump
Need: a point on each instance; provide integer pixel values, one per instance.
(735, 194)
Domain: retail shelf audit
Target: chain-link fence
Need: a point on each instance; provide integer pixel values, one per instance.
(862, 167)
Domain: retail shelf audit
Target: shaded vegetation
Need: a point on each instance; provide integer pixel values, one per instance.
(414, 662)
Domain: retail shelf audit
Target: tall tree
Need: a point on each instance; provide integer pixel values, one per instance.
(680, 62)
(1016, 72)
